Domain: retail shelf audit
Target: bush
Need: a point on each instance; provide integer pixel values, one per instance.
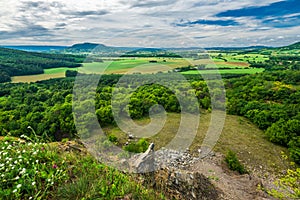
(233, 162)
(112, 138)
(137, 147)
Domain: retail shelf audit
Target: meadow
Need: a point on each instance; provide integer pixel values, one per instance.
(238, 57)
(124, 65)
(226, 71)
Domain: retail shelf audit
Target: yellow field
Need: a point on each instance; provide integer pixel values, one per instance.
(34, 78)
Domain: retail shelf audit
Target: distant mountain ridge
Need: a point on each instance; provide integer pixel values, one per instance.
(88, 47)
(38, 48)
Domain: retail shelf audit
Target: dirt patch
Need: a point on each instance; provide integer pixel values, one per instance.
(232, 185)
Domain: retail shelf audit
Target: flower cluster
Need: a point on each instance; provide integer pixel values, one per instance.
(27, 168)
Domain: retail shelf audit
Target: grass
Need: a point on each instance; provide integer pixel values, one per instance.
(116, 66)
(234, 57)
(238, 134)
(58, 70)
(123, 65)
(226, 71)
(31, 170)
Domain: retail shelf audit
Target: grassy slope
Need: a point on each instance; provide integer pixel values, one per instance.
(73, 172)
(238, 134)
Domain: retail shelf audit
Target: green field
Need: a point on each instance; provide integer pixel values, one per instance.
(122, 66)
(235, 57)
(58, 70)
(226, 71)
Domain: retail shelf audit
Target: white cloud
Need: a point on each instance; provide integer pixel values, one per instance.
(132, 23)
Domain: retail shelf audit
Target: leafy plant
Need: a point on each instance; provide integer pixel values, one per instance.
(112, 138)
(233, 162)
(137, 147)
(288, 185)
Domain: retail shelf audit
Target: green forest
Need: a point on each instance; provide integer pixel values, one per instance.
(270, 100)
(17, 63)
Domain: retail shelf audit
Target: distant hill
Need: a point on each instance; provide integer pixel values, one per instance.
(33, 48)
(291, 47)
(90, 47)
(85, 46)
(16, 63)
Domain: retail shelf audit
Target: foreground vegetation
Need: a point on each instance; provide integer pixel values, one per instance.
(34, 170)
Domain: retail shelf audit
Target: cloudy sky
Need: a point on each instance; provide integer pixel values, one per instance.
(151, 23)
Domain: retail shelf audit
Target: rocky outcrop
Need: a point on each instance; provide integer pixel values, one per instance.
(166, 171)
(182, 184)
(144, 162)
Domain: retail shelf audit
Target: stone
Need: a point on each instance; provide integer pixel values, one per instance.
(130, 136)
(145, 161)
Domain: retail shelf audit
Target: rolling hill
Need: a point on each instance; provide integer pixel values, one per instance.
(16, 63)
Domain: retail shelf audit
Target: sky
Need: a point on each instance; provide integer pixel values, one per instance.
(150, 23)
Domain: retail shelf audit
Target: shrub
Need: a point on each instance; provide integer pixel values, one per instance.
(112, 138)
(137, 147)
(233, 162)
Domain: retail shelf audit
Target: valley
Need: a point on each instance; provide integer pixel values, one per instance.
(259, 91)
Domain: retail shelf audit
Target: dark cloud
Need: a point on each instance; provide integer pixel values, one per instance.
(28, 31)
(208, 22)
(39, 5)
(272, 15)
(85, 13)
(207, 3)
(275, 9)
(152, 3)
(60, 24)
(200, 37)
(282, 22)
